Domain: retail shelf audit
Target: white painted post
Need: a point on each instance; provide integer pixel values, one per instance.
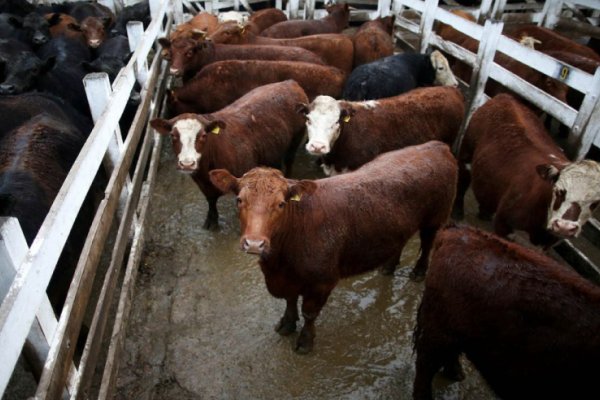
(484, 11)
(551, 13)
(236, 5)
(108, 3)
(279, 4)
(154, 7)
(384, 8)
(309, 6)
(177, 12)
(294, 5)
(498, 9)
(427, 20)
(135, 34)
(587, 123)
(481, 71)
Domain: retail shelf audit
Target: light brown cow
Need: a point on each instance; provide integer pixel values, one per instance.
(355, 222)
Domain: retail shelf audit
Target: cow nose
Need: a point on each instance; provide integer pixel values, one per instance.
(316, 148)
(565, 228)
(94, 43)
(175, 71)
(253, 246)
(7, 89)
(39, 39)
(185, 164)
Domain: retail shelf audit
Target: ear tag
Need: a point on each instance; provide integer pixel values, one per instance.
(216, 130)
(347, 118)
(295, 197)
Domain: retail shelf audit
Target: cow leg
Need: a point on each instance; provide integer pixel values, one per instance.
(390, 266)
(427, 235)
(464, 180)
(287, 323)
(427, 365)
(501, 226)
(212, 217)
(311, 307)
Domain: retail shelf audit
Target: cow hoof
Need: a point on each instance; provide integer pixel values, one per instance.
(304, 344)
(285, 328)
(388, 270)
(210, 225)
(454, 374)
(416, 276)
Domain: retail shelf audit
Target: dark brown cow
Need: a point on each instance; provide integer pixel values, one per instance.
(550, 40)
(220, 83)
(373, 40)
(261, 128)
(522, 176)
(64, 25)
(335, 22)
(348, 134)
(528, 323)
(262, 19)
(94, 20)
(335, 49)
(356, 222)
(189, 55)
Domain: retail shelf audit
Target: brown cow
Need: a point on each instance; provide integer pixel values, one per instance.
(64, 25)
(262, 19)
(522, 176)
(356, 222)
(204, 22)
(261, 128)
(373, 40)
(335, 22)
(219, 84)
(348, 134)
(190, 55)
(335, 49)
(528, 323)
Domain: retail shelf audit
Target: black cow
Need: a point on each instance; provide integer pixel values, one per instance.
(137, 12)
(111, 56)
(20, 66)
(397, 74)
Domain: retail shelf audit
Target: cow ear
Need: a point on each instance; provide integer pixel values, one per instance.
(48, 63)
(297, 189)
(75, 27)
(224, 181)
(548, 172)
(106, 21)
(302, 108)
(215, 126)
(53, 19)
(346, 113)
(198, 34)
(15, 22)
(162, 126)
(164, 42)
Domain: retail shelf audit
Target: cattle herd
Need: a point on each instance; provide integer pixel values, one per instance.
(380, 125)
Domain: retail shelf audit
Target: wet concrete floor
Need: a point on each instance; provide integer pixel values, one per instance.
(202, 320)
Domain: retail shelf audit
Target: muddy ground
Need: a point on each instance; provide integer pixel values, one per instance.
(202, 321)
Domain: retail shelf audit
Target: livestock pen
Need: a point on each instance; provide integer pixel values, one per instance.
(201, 320)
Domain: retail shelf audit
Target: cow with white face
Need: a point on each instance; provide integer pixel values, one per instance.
(575, 195)
(397, 74)
(239, 137)
(521, 177)
(348, 134)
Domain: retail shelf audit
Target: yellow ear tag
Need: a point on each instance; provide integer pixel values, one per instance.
(347, 118)
(216, 130)
(295, 197)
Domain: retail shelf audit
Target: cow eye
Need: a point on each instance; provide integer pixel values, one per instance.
(594, 205)
(282, 204)
(189, 54)
(239, 201)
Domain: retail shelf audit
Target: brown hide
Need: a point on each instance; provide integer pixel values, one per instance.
(263, 19)
(551, 40)
(373, 40)
(335, 22)
(64, 25)
(190, 56)
(424, 114)
(505, 142)
(335, 49)
(316, 232)
(220, 83)
(204, 22)
(94, 29)
(528, 323)
(250, 137)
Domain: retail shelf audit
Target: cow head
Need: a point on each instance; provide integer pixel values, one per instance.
(22, 72)
(325, 118)
(94, 30)
(443, 73)
(37, 28)
(229, 32)
(188, 134)
(264, 196)
(575, 195)
(341, 13)
(187, 53)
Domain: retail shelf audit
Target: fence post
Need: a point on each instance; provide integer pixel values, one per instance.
(177, 12)
(550, 13)
(498, 9)
(427, 20)
(135, 33)
(587, 124)
(294, 5)
(481, 71)
(485, 10)
(108, 3)
(384, 8)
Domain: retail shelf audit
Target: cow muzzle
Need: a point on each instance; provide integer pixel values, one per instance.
(317, 148)
(187, 166)
(254, 246)
(94, 43)
(175, 71)
(7, 89)
(565, 228)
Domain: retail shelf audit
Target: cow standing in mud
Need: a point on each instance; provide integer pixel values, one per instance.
(310, 234)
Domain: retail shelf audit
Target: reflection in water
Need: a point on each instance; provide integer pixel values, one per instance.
(202, 320)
